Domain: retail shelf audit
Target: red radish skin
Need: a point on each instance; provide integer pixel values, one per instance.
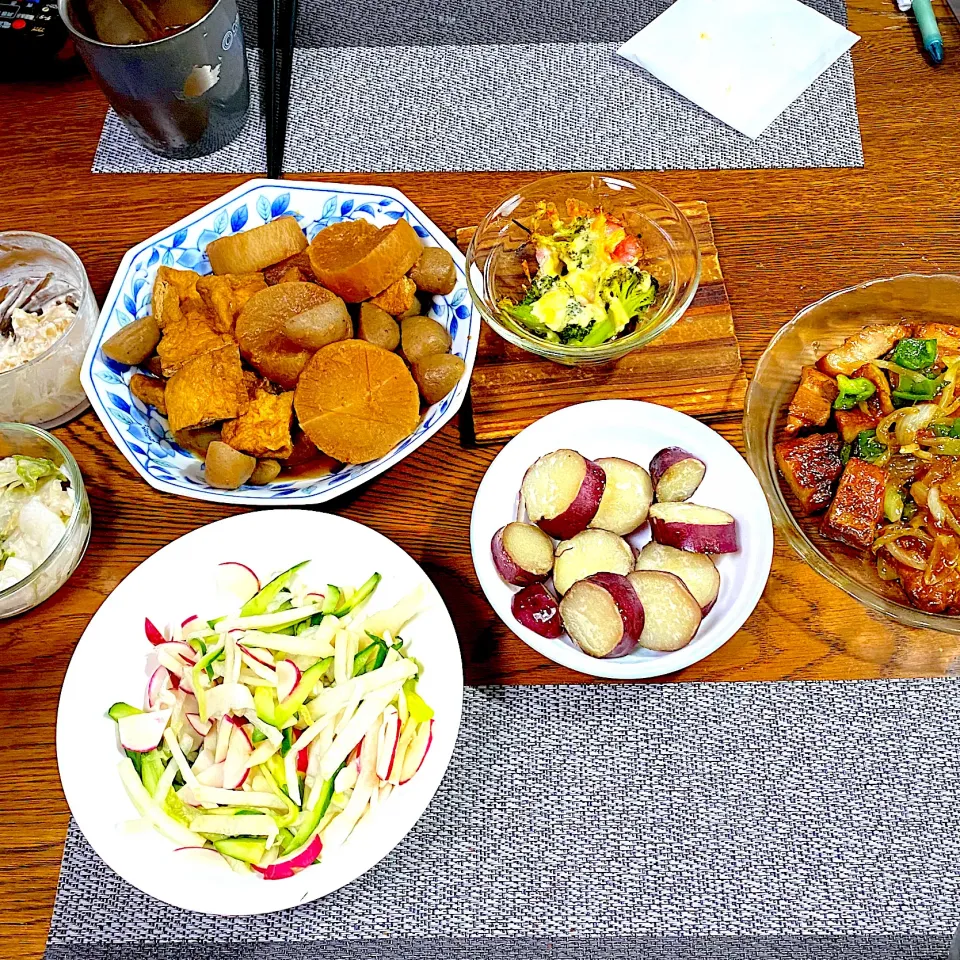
(256, 654)
(417, 752)
(522, 554)
(622, 636)
(697, 571)
(189, 620)
(288, 676)
(387, 741)
(282, 869)
(589, 552)
(157, 683)
(203, 727)
(303, 759)
(536, 609)
(238, 580)
(676, 474)
(673, 614)
(153, 634)
(566, 518)
(626, 498)
(182, 651)
(688, 526)
(141, 732)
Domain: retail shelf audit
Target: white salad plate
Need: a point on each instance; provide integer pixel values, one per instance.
(110, 663)
(632, 430)
(143, 436)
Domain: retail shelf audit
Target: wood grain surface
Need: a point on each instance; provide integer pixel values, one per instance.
(786, 238)
(694, 367)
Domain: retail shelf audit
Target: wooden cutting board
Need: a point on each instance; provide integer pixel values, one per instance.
(694, 367)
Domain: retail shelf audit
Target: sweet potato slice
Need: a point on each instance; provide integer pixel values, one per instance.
(356, 401)
(357, 261)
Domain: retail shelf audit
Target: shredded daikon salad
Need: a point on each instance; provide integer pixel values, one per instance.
(269, 734)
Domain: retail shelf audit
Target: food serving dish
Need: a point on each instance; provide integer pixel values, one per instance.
(817, 329)
(144, 436)
(180, 581)
(500, 261)
(18, 439)
(634, 431)
(46, 390)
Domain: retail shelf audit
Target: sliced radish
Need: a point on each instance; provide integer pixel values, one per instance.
(417, 751)
(255, 653)
(191, 857)
(281, 869)
(688, 526)
(303, 760)
(235, 768)
(153, 634)
(203, 727)
(212, 776)
(237, 580)
(182, 651)
(522, 554)
(203, 762)
(698, 572)
(186, 682)
(535, 608)
(676, 474)
(672, 613)
(627, 496)
(603, 615)
(141, 732)
(288, 676)
(562, 492)
(589, 552)
(158, 682)
(189, 620)
(387, 741)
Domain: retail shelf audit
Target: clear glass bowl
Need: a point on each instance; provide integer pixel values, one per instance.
(812, 332)
(46, 391)
(54, 572)
(671, 254)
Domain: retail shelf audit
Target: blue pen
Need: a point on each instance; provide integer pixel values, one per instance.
(929, 31)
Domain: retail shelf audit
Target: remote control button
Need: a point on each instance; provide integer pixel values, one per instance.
(18, 24)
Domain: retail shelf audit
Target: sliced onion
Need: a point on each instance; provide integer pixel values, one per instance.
(885, 569)
(940, 511)
(895, 532)
(913, 421)
(919, 492)
(901, 556)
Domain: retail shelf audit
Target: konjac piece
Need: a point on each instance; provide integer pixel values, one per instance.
(810, 465)
(813, 402)
(854, 514)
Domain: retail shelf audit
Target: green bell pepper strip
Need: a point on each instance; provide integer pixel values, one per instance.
(918, 391)
(914, 354)
(362, 594)
(306, 829)
(852, 391)
(259, 602)
(311, 677)
(867, 447)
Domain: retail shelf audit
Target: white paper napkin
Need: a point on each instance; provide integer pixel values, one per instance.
(744, 61)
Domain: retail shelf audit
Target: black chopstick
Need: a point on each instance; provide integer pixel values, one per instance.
(267, 15)
(287, 32)
(278, 29)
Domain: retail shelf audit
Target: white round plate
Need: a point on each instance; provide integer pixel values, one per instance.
(632, 430)
(110, 664)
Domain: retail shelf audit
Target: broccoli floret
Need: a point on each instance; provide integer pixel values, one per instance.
(627, 292)
(574, 333)
(539, 285)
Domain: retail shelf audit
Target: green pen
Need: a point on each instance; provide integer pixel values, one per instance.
(929, 31)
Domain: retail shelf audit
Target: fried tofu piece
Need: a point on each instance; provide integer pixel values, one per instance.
(810, 465)
(812, 404)
(881, 403)
(264, 429)
(149, 390)
(947, 336)
(206, 389)
(854, 514)
(184, 340)
(869, 344)
(398, 298)
(225, 296)
(295, 269)
(851, 422)
(165, 304)
(175, 297)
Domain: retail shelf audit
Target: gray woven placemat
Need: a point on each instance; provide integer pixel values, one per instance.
(438, 85)
(742, 821)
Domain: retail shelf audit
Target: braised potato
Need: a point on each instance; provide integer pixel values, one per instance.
(376, 326)
(317, 326)
(149, 390)
(437, 375)
(152, 365)
(228, 468)
(255, 249)
(399, 298)
(264, 472)
(419, 307)
(133, 343)
(422, 337)
(434, 272)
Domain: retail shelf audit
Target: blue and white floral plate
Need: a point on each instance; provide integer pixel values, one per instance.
(143, 435)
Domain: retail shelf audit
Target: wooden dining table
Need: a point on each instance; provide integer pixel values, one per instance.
(785, 237)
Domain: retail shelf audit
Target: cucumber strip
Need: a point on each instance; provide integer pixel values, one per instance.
(311, 677)
(293, 811)
(120, 710)
(198, 689)
(287, 741)
(259, 602)
(246, 849)
(306, 829)
(331, 600)
(265, 704)
(363, 594)
(371, 658)
(151, 770)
